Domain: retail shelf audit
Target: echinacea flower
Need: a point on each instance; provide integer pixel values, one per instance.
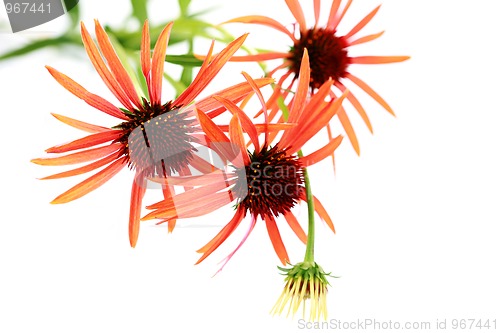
(154, 138)
(329, 54)
(266, 182)
(305, 281)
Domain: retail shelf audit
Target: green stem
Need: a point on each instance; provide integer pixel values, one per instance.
(309, 256)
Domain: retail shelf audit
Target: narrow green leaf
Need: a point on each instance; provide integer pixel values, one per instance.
(183, 5)
(139, 9)
(36, 45)
(73, 11)
(185, 60)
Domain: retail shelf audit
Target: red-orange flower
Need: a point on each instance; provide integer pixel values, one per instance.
(329, 54)
(152, 138)
(267, 182)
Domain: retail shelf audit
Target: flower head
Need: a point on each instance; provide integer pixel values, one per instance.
(305, 282)
(154, 138)
(329, 56)
(265, 181)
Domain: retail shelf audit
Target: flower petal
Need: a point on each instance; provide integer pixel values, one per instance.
(263, 20)
(81, 125)
(366, 39)
(157, 64)
(362, 23)
(260, 57)
(360, 83)
(137, 194)
(297, 12)
(236, 135)
(276, 240)
(91, 183)
(357, 105)
(296, 227)
(80, 157)
(146, 52)
(375, 60)
(321, 153)
(86, 142)
(115, 65)
(80, 92)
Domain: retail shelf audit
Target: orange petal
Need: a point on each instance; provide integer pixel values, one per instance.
(245, 120)
(228, 229)
(362, 23)
(102, 69)
(275, 237)
(216, 136)
(346, 124)
(146, 52)
(80, 157)
(80, 92)
(321, 153)
(115, 65)
(157, 64)
(297, 12)
(236, 135)
(137, 194)
(86, 142)
(91, 183)
(360, 83)
(333, 13)
(235, 94)
(321, 211)
(317, 10)
(296, 227)
(86, 168)
(80, 124)
(375, 60)
(204, 77)
(263, 20)
(260, 57)
(262, 102)
(366, 39)
(334, 22)
(357, 105)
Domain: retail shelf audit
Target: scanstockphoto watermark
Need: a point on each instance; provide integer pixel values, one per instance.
(372, 324)
(26, 14)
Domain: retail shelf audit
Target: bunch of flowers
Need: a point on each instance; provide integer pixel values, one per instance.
(263, 171)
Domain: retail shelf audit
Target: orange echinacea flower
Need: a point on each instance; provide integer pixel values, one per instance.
(328, 52)
(153, 138)
(267, 182)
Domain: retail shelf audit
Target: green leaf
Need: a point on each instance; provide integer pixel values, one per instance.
(36, 45)
(140, 10)
(183, 5)
(73, 11)
(178, 86)
(185, 60)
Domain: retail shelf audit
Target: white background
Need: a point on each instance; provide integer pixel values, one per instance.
(417, 215)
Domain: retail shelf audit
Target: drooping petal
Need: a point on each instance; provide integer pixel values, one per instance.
(375, 60)
(346, 124)
(357, 105)
(276, 240)
(321, 153)
(81, 125)
(263, 20)
(333, 22)
(228, 229)
(320, 210)
(79, 157)
(91, 183)
(115, 65)
(86, 142)
(360, 83)
(362, 23)
(80, 92)
(264, 106)
(204, 77)
(102, 69)
(296, 227)
(136, 196)
(157, 64)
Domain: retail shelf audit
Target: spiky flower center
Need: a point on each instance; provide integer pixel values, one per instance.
(327, 55)
(271, 184)
(158, 140)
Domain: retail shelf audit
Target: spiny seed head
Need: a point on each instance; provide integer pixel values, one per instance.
(327, 55)
(271, 184)
(158, 140)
